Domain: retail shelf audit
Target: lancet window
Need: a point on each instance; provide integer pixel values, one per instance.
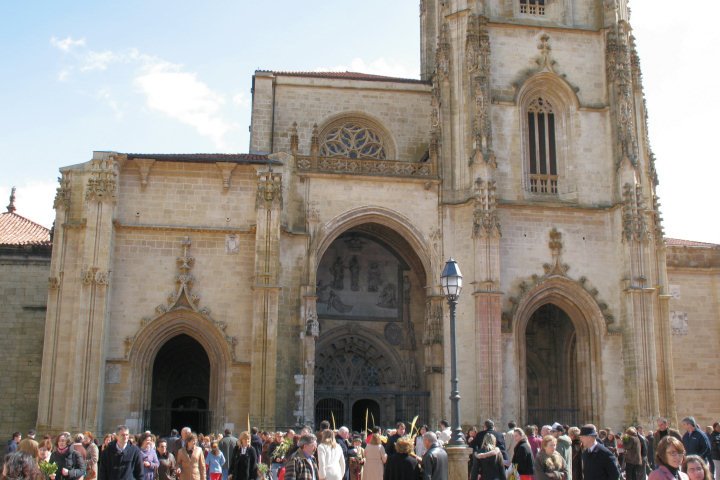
(532, 7)
(353, 140)
(541, 147)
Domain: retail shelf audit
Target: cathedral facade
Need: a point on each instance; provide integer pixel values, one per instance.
(301, 281)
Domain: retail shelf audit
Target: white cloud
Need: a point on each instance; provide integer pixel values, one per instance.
(67, 43)
(378, 66)
(167, 87)
(33, 200)
(182, 96)
(98, 60)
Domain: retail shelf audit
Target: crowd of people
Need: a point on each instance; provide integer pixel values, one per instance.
(552, 452)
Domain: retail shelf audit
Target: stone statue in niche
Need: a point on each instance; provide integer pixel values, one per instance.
(388, 296)
(374, 277)
(338, 273)
(354, 274)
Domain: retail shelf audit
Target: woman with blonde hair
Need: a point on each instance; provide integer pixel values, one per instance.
(668, 458)
(488, 462)
(696, 468)
(243, 461)
(375, 458)
(403, 465)
(331, 461)
(191, 460)
(549, 464)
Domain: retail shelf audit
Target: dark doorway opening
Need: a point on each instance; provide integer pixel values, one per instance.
(363, 409)
(330, 409)
(552, 380)
(180, 387)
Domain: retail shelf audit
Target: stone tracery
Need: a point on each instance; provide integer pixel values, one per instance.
(353, 140)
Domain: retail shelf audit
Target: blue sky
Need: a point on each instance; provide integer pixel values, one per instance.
(162, 76)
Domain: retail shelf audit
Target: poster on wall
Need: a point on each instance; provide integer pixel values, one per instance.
(359, 278)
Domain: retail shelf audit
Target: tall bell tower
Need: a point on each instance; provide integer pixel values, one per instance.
(539, 120)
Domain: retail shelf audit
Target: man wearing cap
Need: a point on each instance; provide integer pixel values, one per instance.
(598, 462)
(696, 442)
(564, 446)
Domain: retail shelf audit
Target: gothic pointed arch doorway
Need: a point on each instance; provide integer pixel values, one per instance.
(180, 386)
(551, 367)
(370, 304)
(559, 329)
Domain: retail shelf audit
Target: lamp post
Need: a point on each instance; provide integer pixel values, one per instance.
(451, 282)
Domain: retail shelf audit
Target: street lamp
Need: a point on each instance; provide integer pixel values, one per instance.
(451, 282)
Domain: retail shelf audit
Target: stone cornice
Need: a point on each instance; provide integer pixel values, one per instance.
(183, 228)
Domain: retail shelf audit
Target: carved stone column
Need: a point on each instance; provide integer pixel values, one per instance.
(47, 414)
(488, 300)
(269, 202)
(434, 356)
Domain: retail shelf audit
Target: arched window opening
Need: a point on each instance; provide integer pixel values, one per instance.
(542, 151)
(353, 140)
(532, 7)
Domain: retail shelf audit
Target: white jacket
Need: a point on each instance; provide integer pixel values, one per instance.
(331, 462)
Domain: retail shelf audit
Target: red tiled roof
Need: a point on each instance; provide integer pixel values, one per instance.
(249, 158)
(346, 76)
(17, 230)
(676, 242)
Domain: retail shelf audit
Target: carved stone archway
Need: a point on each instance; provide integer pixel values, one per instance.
(150, 339)
(589, 324)
(353, 365)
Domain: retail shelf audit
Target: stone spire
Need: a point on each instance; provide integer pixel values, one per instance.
(11, 207)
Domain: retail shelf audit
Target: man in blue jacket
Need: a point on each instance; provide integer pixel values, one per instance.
(696, 442)
(598, 463)
(120, 460)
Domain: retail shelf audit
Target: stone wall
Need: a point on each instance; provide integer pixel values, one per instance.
(23, 294)
(694, 279)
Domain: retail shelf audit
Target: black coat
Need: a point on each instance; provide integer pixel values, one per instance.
(72, 460)
(523, 458)
(402, 466)
(697, 443)
(244, 466)
(491, 468)
(116, 465)
(715, 443)
(477, 442)
(344, 447)
(577, 460)
(435, 464)
(600, 464)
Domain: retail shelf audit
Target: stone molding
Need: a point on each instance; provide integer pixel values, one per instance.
(365, 166)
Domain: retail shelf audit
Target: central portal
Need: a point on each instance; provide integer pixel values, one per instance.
(181, 387)
(370, 303)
